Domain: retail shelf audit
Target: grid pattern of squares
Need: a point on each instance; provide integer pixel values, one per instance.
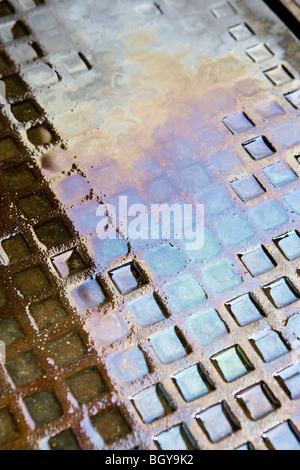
(203, 375)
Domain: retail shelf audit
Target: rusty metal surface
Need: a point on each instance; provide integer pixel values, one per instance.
(148, 101)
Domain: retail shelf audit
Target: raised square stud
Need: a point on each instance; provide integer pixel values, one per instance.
(168, 346)
(289, 245)
(6, 9)
(10, 331)
(147, 311)
(110, 425)
(258, 401)
(284, 437)
(88, 295)
(238, 123)
(257, 261)
(244, 310)
(14, 87)
(269, 346)
(232, 363)
(176, 438)
(40, 135)
(294, 98)
(234, 230)
(164, 261)
(152, 404)
(24, 369)
(293, 201)
(193, 383)
(207, 327)
(69, 263)
(8, 427)
(74, 64)
(281, 292)
(53, 233)
(241, 32)
(43, 407)
(26, 111)
(245, 447)
(8, 148)
(41, 76)
(279, 75)
(218, 422)
(86, 385)
(127, 278)
(269, 110)
(129, 365)
(259, 148)
(259, 53)
(247, 188)
(67, 349)
(223, 10)
(280, 174)
(19, 177)
(289, 379)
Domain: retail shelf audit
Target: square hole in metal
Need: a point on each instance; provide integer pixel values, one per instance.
(259, 53)
(86, 385)
(293, 201)
(185, 292)
(280, 174)
(8, 148)
(176, 438)
(221, 277)
(241, 32)
(19, 177)
(40, 135)
(35, 205)
(110, 425)
(207, 327)
(218, 422)
(257, 261)
(193, 383)
(26, 111)
(244, 310)
(279, 75)
(53, 233)
(258, 401)
(48, 313)
(14, 86)
(6, 8)
(284, 437)
(269, 345)
(89, 295)
(24, 369)
(294, 98)
(247, 188)
(31, 282)
(69, 263)
(10, 331)
(8, 427)
(67, 349)
(147, 310)
(43, 407)
(16, 248)
(223, 11)
(289, 379)
(289, 245)
(281, 292)
(129, 365)
(152, 404)
(238, 123)
(127, 278)
(168, 346)
(269, 216)
(232, 363)
(259, 148)
(64, 441)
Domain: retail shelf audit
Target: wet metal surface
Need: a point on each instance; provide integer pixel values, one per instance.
(186, 101)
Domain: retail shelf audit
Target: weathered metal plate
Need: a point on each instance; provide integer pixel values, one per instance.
(129, 344)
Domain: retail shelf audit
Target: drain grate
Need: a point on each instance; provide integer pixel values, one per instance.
(126, 344)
